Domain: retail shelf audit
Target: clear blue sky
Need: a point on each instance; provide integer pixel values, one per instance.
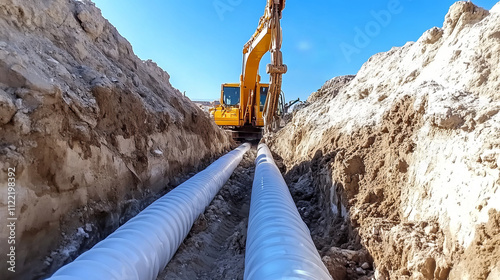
(199, 43)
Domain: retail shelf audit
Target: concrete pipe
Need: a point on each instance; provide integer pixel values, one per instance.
(279, 245)
(143, 246)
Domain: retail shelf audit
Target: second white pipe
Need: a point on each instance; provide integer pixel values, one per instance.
(279, 245)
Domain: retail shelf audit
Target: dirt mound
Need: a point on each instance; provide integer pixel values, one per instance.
(330, 89)
(91, 130)
(408, 151)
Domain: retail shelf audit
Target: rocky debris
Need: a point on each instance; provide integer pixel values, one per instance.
(93, 131)
(348, 264)
(406, 153)
(7, 108)
(337, 242)
(481, 260)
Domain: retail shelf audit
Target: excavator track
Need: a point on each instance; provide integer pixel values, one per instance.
(245, 133)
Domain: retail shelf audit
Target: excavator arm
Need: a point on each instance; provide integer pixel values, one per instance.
(267, 37)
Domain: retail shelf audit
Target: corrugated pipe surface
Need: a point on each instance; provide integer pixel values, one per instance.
(143, 246)
(279, 245)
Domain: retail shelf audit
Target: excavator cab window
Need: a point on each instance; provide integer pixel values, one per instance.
(263, 95)
(231, 96)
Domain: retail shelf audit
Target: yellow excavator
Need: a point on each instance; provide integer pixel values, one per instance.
(248, 106)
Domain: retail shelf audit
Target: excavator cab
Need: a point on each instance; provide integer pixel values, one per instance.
(264, 89)
(247, 125)
(244, 121)
(230, 95)
(227, 114)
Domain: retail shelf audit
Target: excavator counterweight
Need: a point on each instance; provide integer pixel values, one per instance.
(248, 106)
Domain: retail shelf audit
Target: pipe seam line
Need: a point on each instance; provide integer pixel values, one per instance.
(144, 245)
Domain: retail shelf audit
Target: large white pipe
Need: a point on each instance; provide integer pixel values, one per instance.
(279, 245)
(143, 246)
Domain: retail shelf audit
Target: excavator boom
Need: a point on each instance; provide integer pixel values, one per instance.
(270, 35)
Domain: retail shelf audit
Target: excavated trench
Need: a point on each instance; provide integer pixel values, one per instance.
(215, 246)
(338, 243)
